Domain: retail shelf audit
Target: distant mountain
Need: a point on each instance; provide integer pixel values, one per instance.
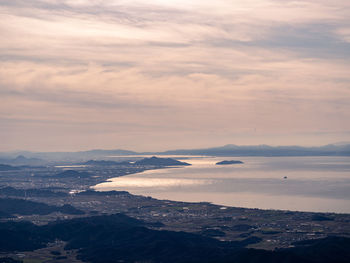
(160, 162)
(146, 161)
(265, 150)
(21, 160)
(105, 163)
(84, 155)
(40, 158)
(110, 152)
(341, 143)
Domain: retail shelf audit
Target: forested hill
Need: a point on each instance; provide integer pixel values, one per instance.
(118, 238)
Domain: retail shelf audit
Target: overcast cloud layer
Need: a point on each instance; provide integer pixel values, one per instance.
(157, 74)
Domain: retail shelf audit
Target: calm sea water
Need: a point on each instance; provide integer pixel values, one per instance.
(320, 184)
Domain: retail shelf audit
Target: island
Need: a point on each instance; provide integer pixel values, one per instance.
(229, 162)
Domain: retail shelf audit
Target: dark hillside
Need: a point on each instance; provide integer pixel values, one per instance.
(25, 207)
(119, 238)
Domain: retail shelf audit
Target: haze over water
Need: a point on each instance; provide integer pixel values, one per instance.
(319, 184)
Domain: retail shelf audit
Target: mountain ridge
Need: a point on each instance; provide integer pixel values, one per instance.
(226, 150)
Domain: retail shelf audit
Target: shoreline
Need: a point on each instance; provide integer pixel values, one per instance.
(109, 180)
(276, 228)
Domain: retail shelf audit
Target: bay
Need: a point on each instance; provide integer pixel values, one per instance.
(317, 184)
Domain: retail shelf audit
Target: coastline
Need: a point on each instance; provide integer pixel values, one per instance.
(248, 185)
(276, 228)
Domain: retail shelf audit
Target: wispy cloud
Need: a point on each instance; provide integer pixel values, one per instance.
(174, 67)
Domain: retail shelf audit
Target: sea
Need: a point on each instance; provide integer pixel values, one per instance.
(313, 184)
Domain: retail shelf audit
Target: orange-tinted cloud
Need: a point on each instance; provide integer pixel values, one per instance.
(164, 74)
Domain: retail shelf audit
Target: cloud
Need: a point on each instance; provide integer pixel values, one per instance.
(344, 34)
(172, 68)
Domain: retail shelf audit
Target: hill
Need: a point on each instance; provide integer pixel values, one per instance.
(10, 191)
(160, 162)
(5, 167)
(24, 207)
(119, 238)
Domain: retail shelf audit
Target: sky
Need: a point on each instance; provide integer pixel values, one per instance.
(167, 74)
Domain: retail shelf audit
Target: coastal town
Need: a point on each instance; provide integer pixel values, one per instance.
(59, 186)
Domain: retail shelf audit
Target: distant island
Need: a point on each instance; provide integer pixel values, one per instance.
(226, 162)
